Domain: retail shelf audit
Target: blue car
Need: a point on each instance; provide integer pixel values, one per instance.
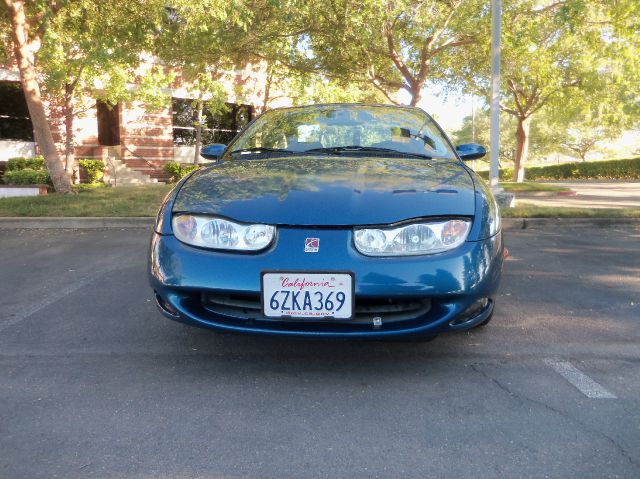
(331, 221)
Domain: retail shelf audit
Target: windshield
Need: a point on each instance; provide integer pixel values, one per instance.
(343, 129)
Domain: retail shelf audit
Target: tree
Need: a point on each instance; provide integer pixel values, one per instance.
(553, 54)
(581, 145)
(94, 43)
(544, 57)
(204, 41)
(579, 138)
(317, 89)
(208, 94)
(309, 87)
(29, 23)
(395, 45)
(482, 125)
(621, 27)
(545, 136)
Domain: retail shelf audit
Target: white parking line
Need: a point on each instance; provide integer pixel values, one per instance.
(581, 381)
(59, 294)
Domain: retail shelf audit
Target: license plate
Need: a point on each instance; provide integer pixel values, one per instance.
(307, 295)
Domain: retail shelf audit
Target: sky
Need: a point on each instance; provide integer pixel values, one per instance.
(448, 110)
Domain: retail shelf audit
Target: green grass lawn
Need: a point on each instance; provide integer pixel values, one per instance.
(526, 210)
(122, 201)
(530, 187)
(145, 200)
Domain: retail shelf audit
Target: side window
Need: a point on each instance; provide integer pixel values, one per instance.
(108, 124)
(15, 121)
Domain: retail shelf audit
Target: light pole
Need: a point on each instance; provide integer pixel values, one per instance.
(496, 17)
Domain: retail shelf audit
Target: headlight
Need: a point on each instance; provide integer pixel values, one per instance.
(217, 233)
(487, 210)
(413, 239)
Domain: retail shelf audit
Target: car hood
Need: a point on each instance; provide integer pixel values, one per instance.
(322, 190)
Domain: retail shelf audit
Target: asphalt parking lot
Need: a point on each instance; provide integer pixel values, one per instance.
(95, 383)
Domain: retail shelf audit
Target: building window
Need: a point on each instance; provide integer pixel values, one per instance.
(220, 128)
(108, 124)
(15, 122)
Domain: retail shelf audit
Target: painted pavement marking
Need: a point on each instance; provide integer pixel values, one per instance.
(59, 294)
(581, 381)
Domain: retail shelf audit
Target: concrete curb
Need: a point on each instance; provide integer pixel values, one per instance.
(147, 222)
(539, 223)
(76, 223)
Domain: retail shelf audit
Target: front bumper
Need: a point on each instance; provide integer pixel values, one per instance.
(450, 283)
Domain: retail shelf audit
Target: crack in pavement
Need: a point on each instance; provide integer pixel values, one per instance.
(521, 398)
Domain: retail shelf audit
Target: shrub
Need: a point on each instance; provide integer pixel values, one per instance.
(592, 170)
(94, 170)
(185, 170)
(177, 171)
(17, 164)
(172, 169)
(26, 176)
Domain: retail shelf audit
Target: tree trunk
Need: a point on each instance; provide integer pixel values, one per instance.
(68, 124)
(267, 90)
(522, 148)
(198, 127)
(25, 50)
(416, 95)
(585, 151)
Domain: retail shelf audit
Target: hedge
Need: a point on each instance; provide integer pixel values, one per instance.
(14, 166)
(177, 171)
(592, 170)
(26, 176)
(94, 170)
(17, 164)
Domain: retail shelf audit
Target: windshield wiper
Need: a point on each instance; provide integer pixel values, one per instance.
(263, 149)
(365, 149)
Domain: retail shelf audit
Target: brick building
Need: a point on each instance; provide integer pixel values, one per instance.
(131, 138)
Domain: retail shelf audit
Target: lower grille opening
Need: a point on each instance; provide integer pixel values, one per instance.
(472, 312)
(248, 306)
(166, 307)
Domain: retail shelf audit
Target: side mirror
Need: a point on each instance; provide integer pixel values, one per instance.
(470, 151)
(213, 151)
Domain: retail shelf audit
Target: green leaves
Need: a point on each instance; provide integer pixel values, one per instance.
(94, 48)
(393, 45)
(94, 169)
(572, 65)
(569, 62)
